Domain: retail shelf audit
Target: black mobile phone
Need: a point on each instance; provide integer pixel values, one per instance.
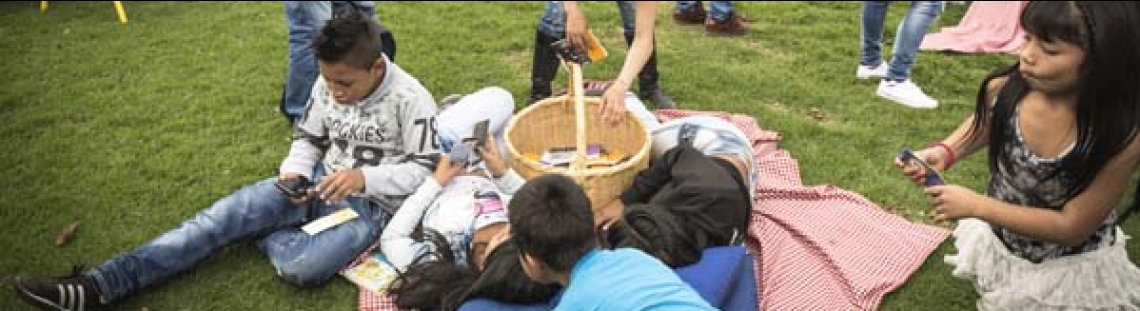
(933, 178)
(481, 133)
(294, 188)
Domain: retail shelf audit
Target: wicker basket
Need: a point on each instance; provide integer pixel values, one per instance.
(551, 123)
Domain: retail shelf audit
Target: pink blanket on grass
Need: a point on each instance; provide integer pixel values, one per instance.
(821, 247)
(815, 248)
(987, 27)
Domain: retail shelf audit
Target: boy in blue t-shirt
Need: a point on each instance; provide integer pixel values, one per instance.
(553, 226)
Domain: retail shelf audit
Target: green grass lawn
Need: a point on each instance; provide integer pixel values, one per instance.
(133, 128)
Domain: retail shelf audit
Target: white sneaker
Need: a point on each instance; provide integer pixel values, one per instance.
(867, 72)
(905, 93)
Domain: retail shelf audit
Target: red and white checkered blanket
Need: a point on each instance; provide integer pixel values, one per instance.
(815, 248)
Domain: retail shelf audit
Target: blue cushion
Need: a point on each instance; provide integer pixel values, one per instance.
(724, 277)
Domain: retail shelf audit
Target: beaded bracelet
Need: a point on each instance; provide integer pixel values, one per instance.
(951, 157)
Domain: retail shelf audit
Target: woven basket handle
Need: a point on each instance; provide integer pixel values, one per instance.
(578, 94)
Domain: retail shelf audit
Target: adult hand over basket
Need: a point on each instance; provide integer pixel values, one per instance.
(613, 101)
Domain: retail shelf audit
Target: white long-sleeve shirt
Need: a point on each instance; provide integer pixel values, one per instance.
(389, 135)
(448, 210)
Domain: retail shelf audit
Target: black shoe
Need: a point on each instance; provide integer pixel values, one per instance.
(658, 97)
(74, 292)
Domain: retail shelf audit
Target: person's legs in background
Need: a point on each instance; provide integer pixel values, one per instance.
(544, 68)
(897, 86)
(648, 87)
(304, 19)
(723, 20)
(689, 13)
(871, 43)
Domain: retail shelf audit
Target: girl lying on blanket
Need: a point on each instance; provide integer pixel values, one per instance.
(696, 193)
(1061, 127)
(464, 252)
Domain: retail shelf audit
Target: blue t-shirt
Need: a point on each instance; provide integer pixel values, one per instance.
(627, 279)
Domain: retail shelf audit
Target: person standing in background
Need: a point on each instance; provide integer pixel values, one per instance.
(565, 19)
(721, 18)
(896, 84)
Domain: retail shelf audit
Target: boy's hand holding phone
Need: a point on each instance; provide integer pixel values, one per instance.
(295, 187)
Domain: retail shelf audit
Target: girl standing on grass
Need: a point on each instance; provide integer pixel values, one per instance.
(1061, 127)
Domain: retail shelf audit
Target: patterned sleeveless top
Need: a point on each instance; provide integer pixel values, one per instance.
(1024, 182)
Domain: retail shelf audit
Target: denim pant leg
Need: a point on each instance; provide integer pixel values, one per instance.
(714, 137)
(252, 210)
(911, 31)
(687, 6)
(720, 10)
(553, 21)
(305, 20)
(874, 15)
(309, 260)
(366, 8)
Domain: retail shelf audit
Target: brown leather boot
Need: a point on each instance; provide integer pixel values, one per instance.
(734, 26)
(690, 17)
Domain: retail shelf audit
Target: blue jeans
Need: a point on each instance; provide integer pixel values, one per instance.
(910, 33)
(553, 25)
(713, 136)
(305, 20)
(718, 10)
(254, 211)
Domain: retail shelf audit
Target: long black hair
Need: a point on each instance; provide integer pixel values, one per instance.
(435, 281)
(1108, 100)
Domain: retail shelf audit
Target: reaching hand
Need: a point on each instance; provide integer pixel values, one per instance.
(337, 186)
(613, 103)
(953, 202)
(576, 28)
(445, 170)
(490, 155)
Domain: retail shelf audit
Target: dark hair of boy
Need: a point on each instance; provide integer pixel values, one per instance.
(350, 39)
(441, 283)
(1108, 104)
(552, 222)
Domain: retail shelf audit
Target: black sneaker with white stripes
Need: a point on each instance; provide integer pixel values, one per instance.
(76, 292)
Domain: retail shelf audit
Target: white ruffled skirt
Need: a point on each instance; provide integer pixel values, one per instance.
(1103, 279)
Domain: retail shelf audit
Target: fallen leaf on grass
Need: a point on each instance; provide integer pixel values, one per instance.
(65, 234)
(817, 114)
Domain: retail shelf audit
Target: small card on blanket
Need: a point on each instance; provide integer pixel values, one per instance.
(374, 274)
